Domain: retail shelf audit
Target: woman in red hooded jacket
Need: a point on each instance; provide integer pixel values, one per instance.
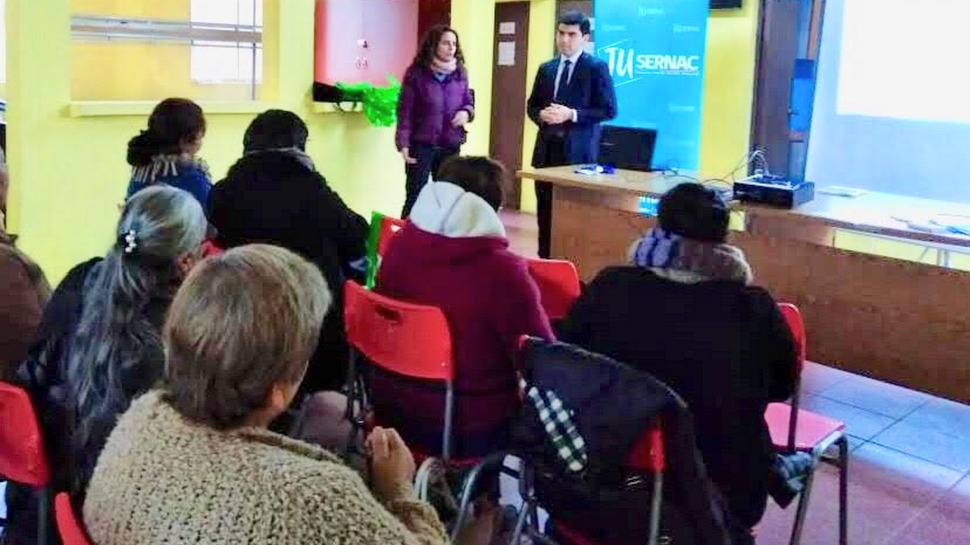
(454, 254)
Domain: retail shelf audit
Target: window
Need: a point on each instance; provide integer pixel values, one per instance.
(144, 50)
(215, 62)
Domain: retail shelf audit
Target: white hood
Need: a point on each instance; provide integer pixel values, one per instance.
(445, 209)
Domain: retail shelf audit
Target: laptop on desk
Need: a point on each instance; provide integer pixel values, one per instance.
(627, 148)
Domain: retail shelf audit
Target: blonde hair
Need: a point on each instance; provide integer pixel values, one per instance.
(241, 323)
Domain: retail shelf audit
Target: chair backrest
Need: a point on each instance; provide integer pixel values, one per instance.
(648, 452)
(68, 526)
(404, 338)
(793, 317)
(388, 228)
(210, 249)
(558, 283)
(382, 230)
(797, 325)
(22, 456)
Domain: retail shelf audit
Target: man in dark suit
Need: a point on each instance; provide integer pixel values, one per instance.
(571, 96)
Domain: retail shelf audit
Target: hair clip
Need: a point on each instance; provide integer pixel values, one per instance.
(131, 241)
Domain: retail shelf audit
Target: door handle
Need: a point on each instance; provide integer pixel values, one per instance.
(365, 62)
(357, 63)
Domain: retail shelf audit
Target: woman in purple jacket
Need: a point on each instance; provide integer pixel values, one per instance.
(435, 105)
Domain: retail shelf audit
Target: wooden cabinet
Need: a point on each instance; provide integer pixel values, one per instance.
(364, 40)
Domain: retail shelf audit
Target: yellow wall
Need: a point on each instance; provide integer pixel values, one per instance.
(542, 24)
(68, 174)
(475, 22)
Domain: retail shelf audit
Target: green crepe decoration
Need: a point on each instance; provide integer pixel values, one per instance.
(373, 260)
(380, 103)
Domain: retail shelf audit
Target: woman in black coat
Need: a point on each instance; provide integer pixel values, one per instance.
(685, 312)
(274, 195)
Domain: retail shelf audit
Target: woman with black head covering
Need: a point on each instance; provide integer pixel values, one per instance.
(274, 195)
(685, 311)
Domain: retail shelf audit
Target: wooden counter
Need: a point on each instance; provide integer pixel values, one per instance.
(899, 321)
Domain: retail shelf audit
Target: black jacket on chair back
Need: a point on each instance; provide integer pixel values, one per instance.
(611, 406)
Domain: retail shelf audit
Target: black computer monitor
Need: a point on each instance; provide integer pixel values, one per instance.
(627, 148)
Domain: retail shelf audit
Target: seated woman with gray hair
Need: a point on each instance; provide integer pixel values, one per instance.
(685, 311)
(194, 462)
(98, 343)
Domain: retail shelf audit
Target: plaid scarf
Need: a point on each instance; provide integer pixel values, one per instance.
(664, 252)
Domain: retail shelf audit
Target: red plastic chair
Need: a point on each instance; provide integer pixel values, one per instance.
(68, 526)
(647, 456)
(794, 429)
(389, 227)
(22, 455)
(558, 283)
(403, 338)
(382, 231)
(210, 249)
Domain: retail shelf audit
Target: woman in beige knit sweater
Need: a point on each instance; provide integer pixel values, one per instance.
(194, 462)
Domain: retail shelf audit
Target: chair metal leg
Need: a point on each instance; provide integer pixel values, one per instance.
(449, 418)
(796, 533)
(43, 516)
(656, 504)
(468, 490)
(844, 490)
(354, 410)
(529, 502)
(520, 522)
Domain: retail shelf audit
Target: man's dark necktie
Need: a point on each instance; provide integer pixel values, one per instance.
(563, 79)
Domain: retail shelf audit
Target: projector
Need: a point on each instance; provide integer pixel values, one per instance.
(774, 191)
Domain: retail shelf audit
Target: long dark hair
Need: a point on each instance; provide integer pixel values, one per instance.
(429, 44)
(173, 122)
(115, 337)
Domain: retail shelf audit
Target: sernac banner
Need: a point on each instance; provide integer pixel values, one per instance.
(655, 49)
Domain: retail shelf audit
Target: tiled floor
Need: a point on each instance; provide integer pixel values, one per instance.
(909, 476)
(909, 473)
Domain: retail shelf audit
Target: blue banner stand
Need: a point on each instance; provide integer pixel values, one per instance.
(655, 49)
